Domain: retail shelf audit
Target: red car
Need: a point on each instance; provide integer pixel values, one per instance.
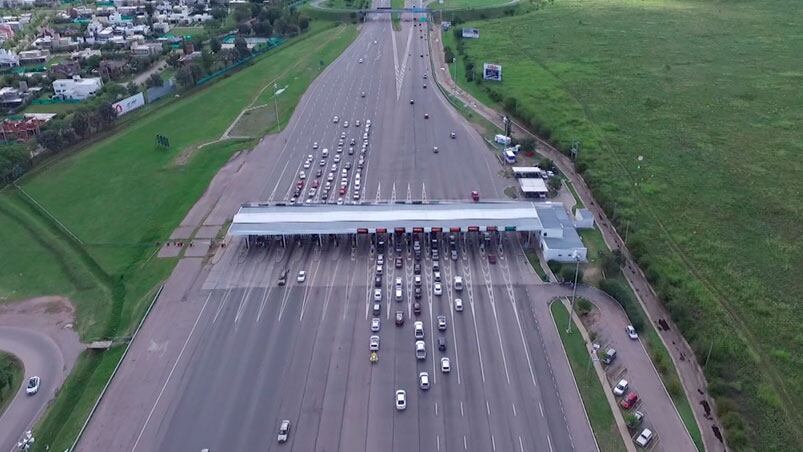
(342, 190)
(300, 184)
(475, 195)
(492, 258)
(629, 401)
(315, 183)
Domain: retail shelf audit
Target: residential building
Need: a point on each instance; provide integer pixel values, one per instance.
(65, 69)
(34, 56)
(11, 98)
(77, 88)
(8, 59)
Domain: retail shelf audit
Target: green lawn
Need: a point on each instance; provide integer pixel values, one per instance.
(464, 4)
(120, 197)
(11, 370)
(348, 4)
(689, 114)
(599, 411)
(190, 31)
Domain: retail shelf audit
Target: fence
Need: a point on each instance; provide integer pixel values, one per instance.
(158, 92)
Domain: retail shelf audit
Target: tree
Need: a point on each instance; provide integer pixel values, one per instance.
(219, 13)
(263, 28)
(244, 28)
(132, 88)
(80, 123)
(303, 23)
(566, 273)
(184, 77)
(611, 261)
(155, 80)
(242, 13)
(553, 183)
(50, 139)
(207, 60)
(105, 114)
(214, 44)
(241, 47)
(546, 164)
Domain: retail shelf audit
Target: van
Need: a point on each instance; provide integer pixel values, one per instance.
(419, 329)
(510, 157)
(609, 356)
(325, 153)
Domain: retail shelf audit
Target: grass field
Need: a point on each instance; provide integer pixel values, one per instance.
(459, 4)
(119, 198)
(591, 391)
(347, 4)
(689, 114)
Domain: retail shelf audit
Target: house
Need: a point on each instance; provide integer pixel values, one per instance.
(583, 219)
(85, 54)
(24, 129)
(77, 88)
(66, 69)
(8, 59)
(34, 56)
(112, 69)
(11, 98)
(6, 32)
(559, 239)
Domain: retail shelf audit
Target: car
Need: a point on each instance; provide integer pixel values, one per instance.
(422, 55)
(399, 262)
(458, 304)
(426, 115)
(398, 296)
(377, 281)
(307, 164)
(362, 94)
(283, 278)
(644, 437)
(284, 431)
(452, 135)
(423, 380)
(434, 149)
(417, 308)
(337, 158)
(458, 283)
(417, 268)
(420, 350)
(311, 192)
(492, 259)
(399, 318)
(360, 61)
(418, 327)
(379, 269)
(373, 343)
(475, 195)
(302, 175)
(351, 150)
(442, 343)
(631, 332)
(437, 289)
(609, 356)
(412, 102)
(629, 401)
(335, 119)
(345, 124)
(417, 292)
(377, 294)
(33, 385)
(302, 276)
(377, 308)
(316, 183)
(357, 123)
(322, 162)
(425, 76)
(425, 86)
(375, 324)
(620, 388)
(319, 173)
(446, 366)
(436, 276)
(436, 267)
(401, 399)
(442, 322)
(314, 146)
(453, 254)
(636, 419)
(417, 280)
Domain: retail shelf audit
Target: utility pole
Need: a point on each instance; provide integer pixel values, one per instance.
(574, 291)
(276, 104)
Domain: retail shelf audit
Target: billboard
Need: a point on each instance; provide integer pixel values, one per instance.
(492, 72)
(471, 33)
(129, 104)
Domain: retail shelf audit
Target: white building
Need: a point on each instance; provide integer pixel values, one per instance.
(583, 219)
(533, 187)
(77, 88)
(559, 239)
(8, 58)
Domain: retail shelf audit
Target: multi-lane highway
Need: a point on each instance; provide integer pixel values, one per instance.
(255, 352)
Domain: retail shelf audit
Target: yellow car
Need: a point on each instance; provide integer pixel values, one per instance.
(374, 357)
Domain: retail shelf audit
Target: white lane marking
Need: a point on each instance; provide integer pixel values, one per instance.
(541, 407)
(423, 192)
(461, 409)
(330, 290)
(378, 192)
(524, 343)
(521, 444)
(477, 337)
(169, 375)
(393, 194)
(409, 194)
(493, 442)
(549, 441)
(465, 443)
(438, 441)
(436, 409)
(395, 61)
(514, 409)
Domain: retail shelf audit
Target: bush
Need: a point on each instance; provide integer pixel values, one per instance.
(623, 296)
(584, 307)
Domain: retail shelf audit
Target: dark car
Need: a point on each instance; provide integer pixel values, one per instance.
(283, 278)
(399, 262)
(436, 266)
(377, 281)
(417, 268)
(492, 258)
(417, 292)
(417, 308)
(441, 343)
(399, 318)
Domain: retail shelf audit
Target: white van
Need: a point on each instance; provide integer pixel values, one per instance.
(419, 329)
(325, 153)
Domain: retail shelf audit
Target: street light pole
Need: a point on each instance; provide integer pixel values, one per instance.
(276, 105)
(574, 291)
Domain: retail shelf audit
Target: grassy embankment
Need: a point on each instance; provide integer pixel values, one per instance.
(687, 114)
(599, 411)
(120, 197)
(11, 370)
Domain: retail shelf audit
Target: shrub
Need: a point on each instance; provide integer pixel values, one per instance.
(623, 296)
(584, 307)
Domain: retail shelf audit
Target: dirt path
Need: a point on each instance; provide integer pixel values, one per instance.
(691, 375)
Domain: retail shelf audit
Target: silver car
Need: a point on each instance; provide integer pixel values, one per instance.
(284, 431)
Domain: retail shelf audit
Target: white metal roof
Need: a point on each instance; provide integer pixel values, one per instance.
(260, 219)
(533, 185)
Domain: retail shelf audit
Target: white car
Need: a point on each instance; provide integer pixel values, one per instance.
(377, 294)
(401, 399)
(345, 124)
(284, 431)
(419, 329)
(315, 145)
(423, 381)
(458, 283)
(442, 323)
(360, 61)
(458, 305)
(437, 289)
(436, 276)
(417, 280)
(302, 276)
(374, 343)
(307, 164)
(631, 332)
(375, 325)
(446, 367)
(420, 350)
(335, 119)
(398, 282)
(302, 175)
(644, 438)
(33, 385)
(620, 388)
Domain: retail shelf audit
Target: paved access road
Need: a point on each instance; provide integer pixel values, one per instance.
(228, 353)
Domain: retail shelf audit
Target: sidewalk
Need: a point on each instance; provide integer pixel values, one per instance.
(690, 373)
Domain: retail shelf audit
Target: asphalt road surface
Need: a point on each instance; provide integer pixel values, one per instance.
(255, 352)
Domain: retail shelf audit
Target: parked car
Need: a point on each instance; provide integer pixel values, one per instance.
(631, 332)
(620, 388)
(644, 438)
(629, 401)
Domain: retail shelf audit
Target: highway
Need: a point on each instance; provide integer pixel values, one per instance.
(244, 352)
